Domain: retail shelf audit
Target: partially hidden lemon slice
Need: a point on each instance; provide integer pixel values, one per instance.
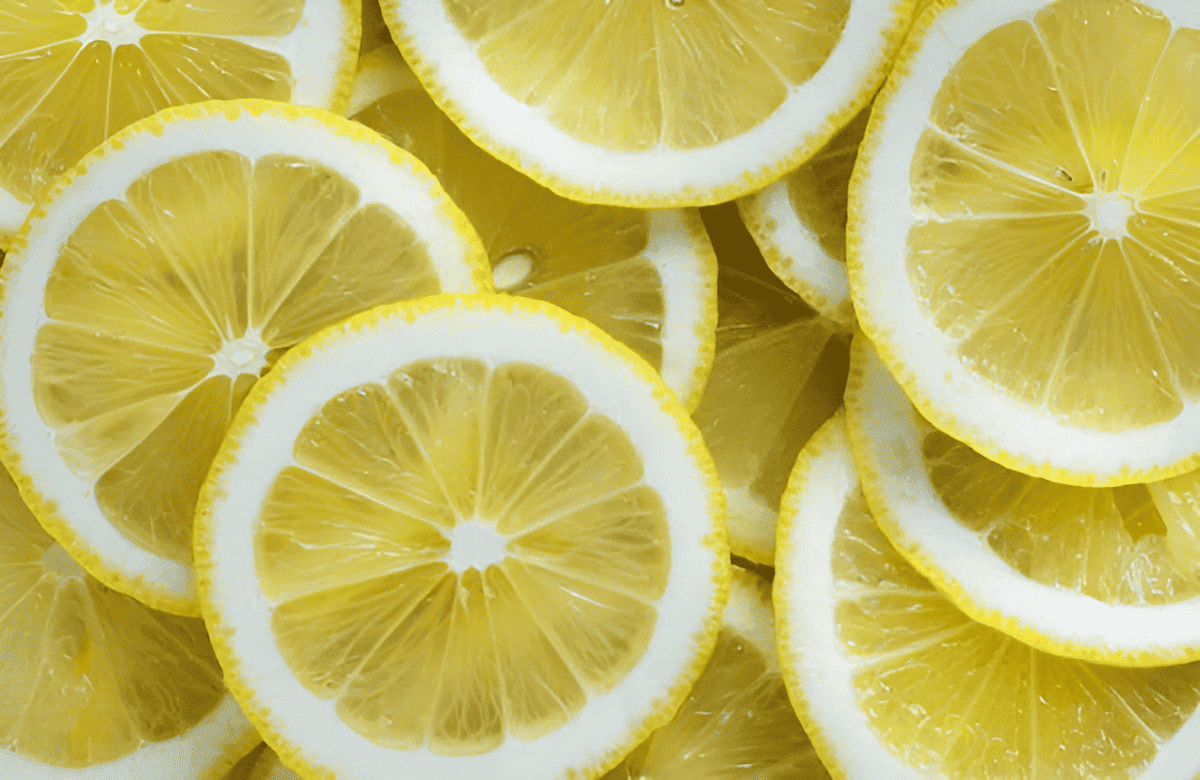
(799, 224)
(737, 722)
(461, 536)
(1106, 574)
(1024, 233)
(375, 34)
(647, 278)
(779, 373)
(162, 277)
(74, 72)
(655, 104)
(891, 680)
(97, 686)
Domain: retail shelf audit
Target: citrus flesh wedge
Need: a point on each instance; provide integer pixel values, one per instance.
(647, 278)
(375, 33)
(1110, 575)
(779, 373)
(248, 767)
(799, 224)
(890, 680)
(461, 536)
(98, 686)
(146, 296)
(74, 72)
(1036, 297)
(659, 104)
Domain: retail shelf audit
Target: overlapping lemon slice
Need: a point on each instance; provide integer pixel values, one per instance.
(1107, 574)
(97, 686)
(647, 278)
(799, 224)
(1024, 233)
(891, 680)
(375, 34)
(462, 536)
(653, 104)
(779, 372)
(162, 277)
(74, 72)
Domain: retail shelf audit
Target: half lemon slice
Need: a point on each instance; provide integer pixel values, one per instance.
(458, 537)
(160, 279)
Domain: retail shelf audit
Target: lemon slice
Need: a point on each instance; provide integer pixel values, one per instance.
(779, 372)
(96, 685)
(1024, 232)
(647, 278)
(736, 722)
(653, 104)
(247, 767)
(375, 33)
(891, 680)
(799, 224)
(1110, 575)
(162, 277)
(461, 536)
(74, 72)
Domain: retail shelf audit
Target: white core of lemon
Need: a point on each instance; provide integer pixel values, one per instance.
(1109, 213)
(106, 23)
(476, 545)
(244, 355)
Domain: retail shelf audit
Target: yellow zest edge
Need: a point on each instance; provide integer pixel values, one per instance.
(46, 511)
(756, 222)
(894, 35)
(881, 336)
(715, 540)
(351, 40)
(784, 549)
(706, 326)
(925, 564)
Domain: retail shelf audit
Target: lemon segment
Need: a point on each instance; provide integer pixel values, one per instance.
(859, 630)
(647, 278)
(657, 104)
(1105, 574)
(519, 548)
(163, 284)
(76, 73)
(97, 684)
(1038, 254)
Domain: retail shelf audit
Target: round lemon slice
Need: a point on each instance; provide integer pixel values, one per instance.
(1023, 234)
(1110, 575)
(891, 680)
(647, 278)
(779, 373)
(799, 224)
(156, 283)
(97, 686)
(74, 72)
(653, 104)
(458, 537)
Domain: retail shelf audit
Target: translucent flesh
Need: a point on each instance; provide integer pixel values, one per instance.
(1036, 119)
(1112, 544)
(89, 675)
(779, 373)
(147, 290)
(586, 259)
(1010, 711)
(685, 75)
(415, 653)
(62, 99)
(819, 189)
(737, 722)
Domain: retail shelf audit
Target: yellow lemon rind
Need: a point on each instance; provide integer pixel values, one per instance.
(715, 539)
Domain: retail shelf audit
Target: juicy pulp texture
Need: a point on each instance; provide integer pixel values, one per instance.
(1012, 711)
(1132, 545)
(164, 308)
(89, 675)
(1056, 190)
(77, 71)
(461, 554)
(586, 259)
(678, 74)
